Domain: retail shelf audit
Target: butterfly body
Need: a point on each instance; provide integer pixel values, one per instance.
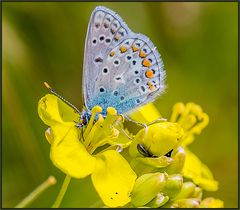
(122, 69)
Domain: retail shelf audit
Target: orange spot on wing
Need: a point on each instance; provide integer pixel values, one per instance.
(117, 37)
(151, 86)
(112, 53)
(134, 48)
(123, 49)
(146, 63)
(142, 54)
(149, 73)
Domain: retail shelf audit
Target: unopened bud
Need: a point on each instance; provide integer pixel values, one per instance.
(173, 185)
(163, 137)
(186, 191)
(211, 203)
(197, 193)
(185, 203)
(158, 201)
(147, 187)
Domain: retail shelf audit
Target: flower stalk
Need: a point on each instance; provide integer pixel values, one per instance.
(62, 192)
(37, 192)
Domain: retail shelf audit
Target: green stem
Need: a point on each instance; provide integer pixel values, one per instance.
(35, 193)
(62, 192)
(97, 204)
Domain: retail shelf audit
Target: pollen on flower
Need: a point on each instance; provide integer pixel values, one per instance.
(100, 118)
(97, 109)
(111, 111)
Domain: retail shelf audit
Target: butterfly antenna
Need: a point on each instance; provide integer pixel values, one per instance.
(60, 97)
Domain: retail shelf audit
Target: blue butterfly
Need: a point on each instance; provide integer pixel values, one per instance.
(122, 69)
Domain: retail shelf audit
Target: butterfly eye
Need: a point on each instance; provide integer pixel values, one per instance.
(122, 98)
(101, 89)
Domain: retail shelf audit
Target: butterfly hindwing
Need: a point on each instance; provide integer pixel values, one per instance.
(105, 30)
(128, 71)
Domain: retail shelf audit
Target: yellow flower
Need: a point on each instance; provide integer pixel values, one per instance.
(211, 203)
(90, 150)
(197, 171)
(151, 148)
(193, 120)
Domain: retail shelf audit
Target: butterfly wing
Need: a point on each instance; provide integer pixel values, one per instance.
(105, 29)
(131, 75)
(126, 73)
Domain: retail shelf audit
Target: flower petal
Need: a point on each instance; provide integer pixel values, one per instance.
(52, 111)
(68, 153)
(157, 162)
(145, 114)
(191, 118)
(198, 172)
(113, 178)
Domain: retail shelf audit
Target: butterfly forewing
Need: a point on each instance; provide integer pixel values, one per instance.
(128, 71)
(105, 29)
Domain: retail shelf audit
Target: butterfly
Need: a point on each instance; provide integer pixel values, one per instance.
(121, 69)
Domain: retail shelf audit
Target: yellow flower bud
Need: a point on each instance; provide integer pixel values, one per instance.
(158, 201)
(187, 190)
(159, 139)
(178, 160)
(147, 187)
(197, 193)
(173, 185)
(211, 203)
(185, 203)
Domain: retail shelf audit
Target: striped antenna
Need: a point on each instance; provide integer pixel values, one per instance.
(60, 97)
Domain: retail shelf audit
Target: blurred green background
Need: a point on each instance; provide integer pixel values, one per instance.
(45, 42)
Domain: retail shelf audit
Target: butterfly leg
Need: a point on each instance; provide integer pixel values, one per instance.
(138, 123)
(126, 134)
(122, 129)
(157, 120)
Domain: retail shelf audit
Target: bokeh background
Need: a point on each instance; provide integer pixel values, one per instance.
(45, 42)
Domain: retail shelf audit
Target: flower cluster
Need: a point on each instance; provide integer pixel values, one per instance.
(153, 168)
